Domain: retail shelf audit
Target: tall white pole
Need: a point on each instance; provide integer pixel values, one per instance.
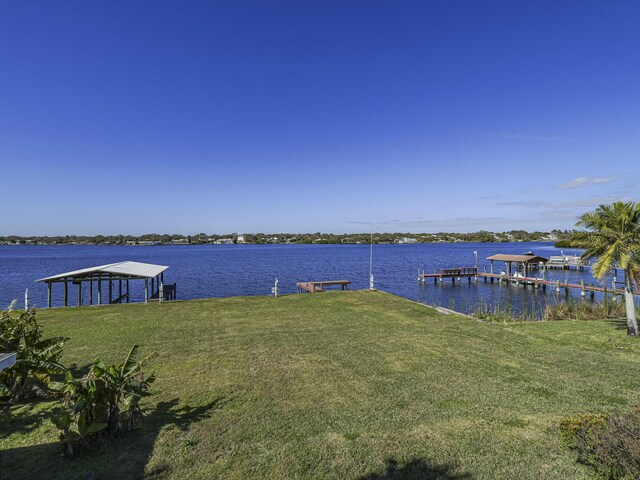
(26, 299)
(371, 263)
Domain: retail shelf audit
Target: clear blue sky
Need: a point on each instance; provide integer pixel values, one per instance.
(133, 117)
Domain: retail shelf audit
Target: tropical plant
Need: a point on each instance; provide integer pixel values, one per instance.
(105, 402)
(37, 358)
(613, 237)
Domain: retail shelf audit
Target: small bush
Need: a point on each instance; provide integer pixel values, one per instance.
(585, 311)
(37, 358)
(104, 403)
(610, 445)
(503, 314)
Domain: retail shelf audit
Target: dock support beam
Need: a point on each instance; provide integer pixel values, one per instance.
(127, 291)
(65, 292)
(79, 293)
(48, 294)
(146, 290)
(99, 290)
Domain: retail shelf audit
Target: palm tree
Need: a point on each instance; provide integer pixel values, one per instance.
(613, 236)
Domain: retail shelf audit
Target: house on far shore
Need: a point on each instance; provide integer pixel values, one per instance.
(406, 240)
(224, 241)
(241, 239)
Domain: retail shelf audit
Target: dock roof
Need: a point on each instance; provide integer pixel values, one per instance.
(126, 269)
(530, 258)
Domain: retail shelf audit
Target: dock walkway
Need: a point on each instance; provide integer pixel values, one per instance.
(313, 287)
(536, 282)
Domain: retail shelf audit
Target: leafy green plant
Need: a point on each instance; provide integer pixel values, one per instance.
(37, 358)
(610, 445)
(104, 403)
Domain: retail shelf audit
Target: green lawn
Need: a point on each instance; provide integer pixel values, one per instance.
(357, 385)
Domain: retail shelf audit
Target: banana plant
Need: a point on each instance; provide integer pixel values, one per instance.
(37, 358)
(105, 402)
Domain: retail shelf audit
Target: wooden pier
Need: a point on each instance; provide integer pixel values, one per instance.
(457, 274)
(313, 287)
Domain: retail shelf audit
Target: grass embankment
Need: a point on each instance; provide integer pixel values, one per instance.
(335, 385)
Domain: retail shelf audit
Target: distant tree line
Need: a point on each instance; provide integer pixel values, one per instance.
(561, 237)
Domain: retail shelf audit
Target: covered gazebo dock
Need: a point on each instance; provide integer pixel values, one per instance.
(122, 273)
(527, 262)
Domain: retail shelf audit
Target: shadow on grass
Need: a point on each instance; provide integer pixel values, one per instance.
(124, 457)
(23, 418)
(417, 469)
(618, 323)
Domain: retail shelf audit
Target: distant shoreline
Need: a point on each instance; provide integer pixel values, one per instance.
(153, 239)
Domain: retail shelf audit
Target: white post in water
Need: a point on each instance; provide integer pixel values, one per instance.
(371, 263)
(161, 292)
(274, 290)
(475, 252)
(26, 299)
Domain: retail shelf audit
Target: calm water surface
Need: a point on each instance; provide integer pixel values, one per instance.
(229, 270)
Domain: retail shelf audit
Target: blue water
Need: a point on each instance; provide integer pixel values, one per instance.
(229, 270)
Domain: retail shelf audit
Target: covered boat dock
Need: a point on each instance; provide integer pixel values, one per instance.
(527, 262)
(122, 273)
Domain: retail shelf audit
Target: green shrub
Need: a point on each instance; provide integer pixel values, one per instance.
(610, 445)
(572, 310)
(104, 403)
(37, 358)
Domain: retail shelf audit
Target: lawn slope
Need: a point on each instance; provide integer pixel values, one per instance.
(336, 385)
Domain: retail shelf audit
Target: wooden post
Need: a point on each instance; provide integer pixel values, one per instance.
(110, 290)
(90, 291)
(146, 290)
(492, 266)
(153, 290)
(65, 292)
(127, 291)
(99, 290)
(48, 294)
(582, 292)
(120, 290)
(80, 293)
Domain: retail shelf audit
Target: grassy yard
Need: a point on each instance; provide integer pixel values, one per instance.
(344, 385)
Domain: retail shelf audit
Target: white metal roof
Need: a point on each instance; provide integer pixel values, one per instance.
(132, 269)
